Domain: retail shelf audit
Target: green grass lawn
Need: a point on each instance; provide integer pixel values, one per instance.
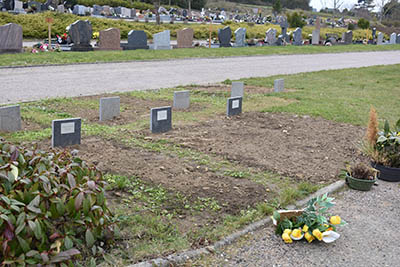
(27, 59)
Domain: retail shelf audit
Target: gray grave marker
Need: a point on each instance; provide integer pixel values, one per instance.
(109, 108)
(10, 119)
(181, 99)
(234, 106)
(237, 89)
(279, 85)
(160, 119)
(66, 132)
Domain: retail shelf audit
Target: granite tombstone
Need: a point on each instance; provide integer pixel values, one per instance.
(182, 99)
(109, 108)
(10, 118)
(393, 38)
(398, 39)
(297, 37)
(10, 38)
(348, 37)
(224, 37)
(380, 39)
(315, 37)
(110, 39)
(136, 40)
(240, 37)
(81, 34)
(162, 40)
(66, 132)
(270, 36)
(234, 106)
(279, 85)
(160, 119)
(185, 38)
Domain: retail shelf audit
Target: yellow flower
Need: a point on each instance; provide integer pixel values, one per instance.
(305, 228)
(317, 233)
(309, 237)
(296, 233)
(335, 220)
(286, 238)
(287, 231)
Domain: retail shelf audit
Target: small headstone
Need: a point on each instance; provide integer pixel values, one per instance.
(61, 9)
(133, 13)
(79, 10)
(97, 10)
(10, 118)
(224, 37)
(185, 38)
(348, 37)
(66, 132)
(234, 106)
(162, 40)
(315, 37)
(393, 38)
(109, 108)
(181, 99)
(10, 38)
(107, 11)
(18, 6)
(237, 89)
(280, 40)
(240, 37)
(81, 35)
(136, 40)
(380, 39)
(125, 12)
(270, 36)
(160, 119)
(297, 37)
(398, 39)
(373, 33)
(279, 85)
(110, 39)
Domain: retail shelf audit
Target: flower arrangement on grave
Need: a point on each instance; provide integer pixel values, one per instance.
(62, 39)
(96, 35)
(311, 223)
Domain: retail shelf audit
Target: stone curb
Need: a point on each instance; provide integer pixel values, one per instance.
(179, 258)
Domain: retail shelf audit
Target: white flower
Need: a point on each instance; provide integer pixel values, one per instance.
(329, 236)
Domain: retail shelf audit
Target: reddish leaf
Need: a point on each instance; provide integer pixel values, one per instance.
(54, 236)
(79, 200)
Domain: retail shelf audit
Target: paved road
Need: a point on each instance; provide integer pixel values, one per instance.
(25, 84)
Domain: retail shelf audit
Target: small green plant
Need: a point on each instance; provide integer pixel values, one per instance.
(363, 23)
(388, 145)
(52, 207)
(351, 27)
(362, 171)
(296, 20)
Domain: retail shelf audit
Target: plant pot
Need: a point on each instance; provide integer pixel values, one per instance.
(359, 184)
(389, 174)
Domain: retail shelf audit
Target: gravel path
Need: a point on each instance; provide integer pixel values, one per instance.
(371, 237)
(33, 83)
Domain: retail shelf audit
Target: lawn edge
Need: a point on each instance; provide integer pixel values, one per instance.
(181, 257)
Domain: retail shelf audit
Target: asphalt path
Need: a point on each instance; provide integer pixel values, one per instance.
(33, 83)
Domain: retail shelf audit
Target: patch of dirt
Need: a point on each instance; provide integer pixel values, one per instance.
(30, 126)
(220, 90)
(301, 147)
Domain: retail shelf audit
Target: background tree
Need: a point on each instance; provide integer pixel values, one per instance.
(277, 7)
(363, 23)
(295, 20)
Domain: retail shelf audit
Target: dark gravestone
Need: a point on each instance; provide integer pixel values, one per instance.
(35, 6)
(160, 119)
(348, 37)
(10, 119)
(66, 132)
(81, 35)
(8, 4)
(280, 40)
(97, 10)
(373, 33)
(224, 37)
(398, 39)
(10, 38)
(234, 106)
(297, 37)
(136, 40)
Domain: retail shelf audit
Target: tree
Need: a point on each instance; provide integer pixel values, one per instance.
(386, 7)
(334, 4)
(295, 20)
(277, 7)
(363, 23)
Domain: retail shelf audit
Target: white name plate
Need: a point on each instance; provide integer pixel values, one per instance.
(68, 128)
(162, 115)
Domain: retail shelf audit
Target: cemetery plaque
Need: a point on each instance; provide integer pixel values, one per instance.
(10, 38)
(10, 118)
(297, 37)
(240, 37)
(109, 108)
(136, 40)
(81, 35)
(110, 39)
(279, 85)
(393, 38)
(160, 119)
(182, 99)
(224, 37)
(237, 89)
(315, 37)
(66, 132)
(380, 39)
(162, 40)
(348, 37)
(270, 36)
(234, 106)
(185, 38)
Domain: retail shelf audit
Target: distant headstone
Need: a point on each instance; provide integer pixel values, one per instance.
(79, 10)
(398, 39)
(109, 108)
(66, 132)
(279, 85)
(315, 37)
(125, 12)
(224, 37)
(240, 37)
(61, 9)
(234, 106)
(34, 5)
(162, 40)
(237, 89)
(107, 11)
(10, 118)
(280, 41)
(18, 6)
(160, 119)
(380, 39)
(270, 36)
(136, 40)
(373, 33)
(348, 37)
(297, 37)
(81, 35)
(282, 20)
(10, 38)
(393, 38)
(185, 38)
(97, 10)
(110, 39)
(181, 99)
(133, 13)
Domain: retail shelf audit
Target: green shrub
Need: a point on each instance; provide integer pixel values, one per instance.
(296, 20)
(351, 27)
(52, 206)
(363, 23)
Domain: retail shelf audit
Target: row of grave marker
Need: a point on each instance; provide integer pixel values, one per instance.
(66, 132)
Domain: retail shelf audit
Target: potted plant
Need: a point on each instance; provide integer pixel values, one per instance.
(360, 176)
(384, 148)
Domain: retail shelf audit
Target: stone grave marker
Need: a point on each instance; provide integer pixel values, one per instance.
(234, 106)
(133, 13)
(79, 10)
(61, 9)
(136, 40)
(280, 40)
(160, 119)
(107, 10)
(109, 108)
(237, 89)
(240, 37)
(66, 132)
(398, 39)
(125, 12)
(110, 39)
(380, 39)
(185, 38)
(297, 37)
(224, 37)
(97, 10)
(81, 35)
(182, 99)
(315, 37)
(393, 38)
(348, 37)
(18, 6)
(10, 118)
(279, 85)
(270, 36)
(34, 5)
(162, 40)
(10, 38)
